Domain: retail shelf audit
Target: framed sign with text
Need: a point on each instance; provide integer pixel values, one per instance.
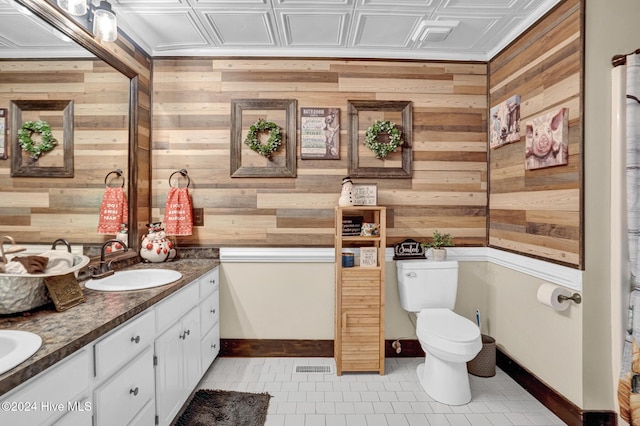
(365, 195)
(319, 133)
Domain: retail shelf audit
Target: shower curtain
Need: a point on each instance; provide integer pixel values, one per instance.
(629, 382)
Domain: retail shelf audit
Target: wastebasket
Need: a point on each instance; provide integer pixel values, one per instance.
(484, 364)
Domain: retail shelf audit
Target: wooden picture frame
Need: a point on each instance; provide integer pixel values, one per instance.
(21, 163)
(277, 166)
(356, 169)
(3, 134)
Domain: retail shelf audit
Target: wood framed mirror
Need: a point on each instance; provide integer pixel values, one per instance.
(133, 113)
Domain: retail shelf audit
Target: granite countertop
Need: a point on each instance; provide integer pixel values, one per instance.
(63, 333)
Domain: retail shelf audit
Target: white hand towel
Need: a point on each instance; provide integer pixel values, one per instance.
(59, 261)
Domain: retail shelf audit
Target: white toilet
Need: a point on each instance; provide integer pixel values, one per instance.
(428, 289)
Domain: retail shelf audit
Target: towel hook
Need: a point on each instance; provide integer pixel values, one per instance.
(116, 171)
(184, 174)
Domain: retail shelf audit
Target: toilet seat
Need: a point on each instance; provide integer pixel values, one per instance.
(447, 331)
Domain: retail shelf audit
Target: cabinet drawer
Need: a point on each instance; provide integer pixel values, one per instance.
(169, 311)
(209, 282)
(55, 387)
(124, 344)
(146, 416)
(80, 414)
(363, 275)
(209, 312)
(120, 399)
(210, 347)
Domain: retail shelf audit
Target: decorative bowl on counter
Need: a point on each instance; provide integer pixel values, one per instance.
(22, 292)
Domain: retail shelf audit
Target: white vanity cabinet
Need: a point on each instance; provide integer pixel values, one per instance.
(177, 350)
(119, 400)
(124, 371)
(59, 394)
(209, 318)
(139, 374)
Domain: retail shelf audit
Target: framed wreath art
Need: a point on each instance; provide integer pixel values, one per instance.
(33, 138)
(382, 149)
(382, 138)
(47, 141)
(252, 157)
(275, 137)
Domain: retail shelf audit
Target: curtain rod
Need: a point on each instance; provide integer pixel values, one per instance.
(618, 60)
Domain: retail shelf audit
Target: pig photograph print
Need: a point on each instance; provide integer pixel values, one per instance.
(505, 122)
(547, 140)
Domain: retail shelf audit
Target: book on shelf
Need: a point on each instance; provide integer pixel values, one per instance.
(351, 226)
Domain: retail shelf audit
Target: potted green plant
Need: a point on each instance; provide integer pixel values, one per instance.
(437, 246)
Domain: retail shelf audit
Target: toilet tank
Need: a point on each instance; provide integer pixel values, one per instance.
(427, 284)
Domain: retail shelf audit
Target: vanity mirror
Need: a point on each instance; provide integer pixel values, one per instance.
(37, 64)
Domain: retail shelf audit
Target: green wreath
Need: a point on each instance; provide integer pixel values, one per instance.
(275, 137)
(381, 149)
(47, 141)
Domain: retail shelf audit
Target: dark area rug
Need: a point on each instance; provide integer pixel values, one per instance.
(225, 408)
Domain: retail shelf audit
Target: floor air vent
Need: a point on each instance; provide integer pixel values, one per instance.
(314, 369)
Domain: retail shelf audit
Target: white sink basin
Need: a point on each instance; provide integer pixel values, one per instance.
(136, 279)
(16, 347)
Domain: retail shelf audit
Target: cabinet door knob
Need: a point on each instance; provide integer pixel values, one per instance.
(134, 391)
(213, 346)
(188, 332)
(411, 274)
(212, 281)
(135, 339)
(213, 311)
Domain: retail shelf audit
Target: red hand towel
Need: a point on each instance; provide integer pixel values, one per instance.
(178, 216)
(114, 211)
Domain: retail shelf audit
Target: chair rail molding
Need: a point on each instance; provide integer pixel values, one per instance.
(547, 271)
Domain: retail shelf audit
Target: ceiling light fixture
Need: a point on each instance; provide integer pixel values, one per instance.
(105, 26)
(99, 14)
(74, 7)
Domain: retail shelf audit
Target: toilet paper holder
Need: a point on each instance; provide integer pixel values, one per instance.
(575, 297)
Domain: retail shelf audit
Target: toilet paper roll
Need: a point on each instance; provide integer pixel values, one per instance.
(548, 295)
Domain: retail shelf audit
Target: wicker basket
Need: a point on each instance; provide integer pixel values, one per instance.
(484, 364)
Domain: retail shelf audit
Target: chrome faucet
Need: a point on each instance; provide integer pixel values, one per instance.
(104, 269)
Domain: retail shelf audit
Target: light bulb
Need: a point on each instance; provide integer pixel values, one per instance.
(105, 26)
(74, 7)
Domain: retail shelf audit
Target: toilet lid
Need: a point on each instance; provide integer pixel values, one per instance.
(446, 324)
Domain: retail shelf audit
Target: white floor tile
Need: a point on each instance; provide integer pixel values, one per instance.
(336, 420)
(315, 420)
(356, 420)
(294, 420)
(393, 399)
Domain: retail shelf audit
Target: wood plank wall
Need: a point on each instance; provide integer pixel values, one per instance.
(539, 212)
(39, 210)
(191, 130)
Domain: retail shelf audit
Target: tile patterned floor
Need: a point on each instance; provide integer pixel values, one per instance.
(357, 399)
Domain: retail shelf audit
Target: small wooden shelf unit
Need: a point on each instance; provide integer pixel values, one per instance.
(359, 324)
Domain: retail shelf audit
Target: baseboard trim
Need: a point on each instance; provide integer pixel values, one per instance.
(276, 348)
(566, 410)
